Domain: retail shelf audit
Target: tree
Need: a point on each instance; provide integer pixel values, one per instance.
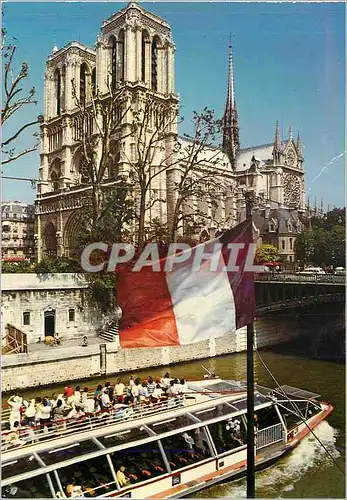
(14, 100)
(266, 253)
(201, 169)
(323, 242)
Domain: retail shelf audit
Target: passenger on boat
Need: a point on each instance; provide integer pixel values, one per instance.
(97, 393)
(12, 491)
(165, 381)
(29, 413)
(189, 440)
(58, 411)
(38, 405)
(157, 394)
(74, 491)
(69, 394)
(119, 391)
(76, 412)
(131, 381)
(172, 389)
(77, 395)
(13, 439)
(105, 400)
(122, 479)
(135, 390)
(150, 386)
(84, 395)
(15, 403)
(89, 406)
(143, 393)
(45, 413)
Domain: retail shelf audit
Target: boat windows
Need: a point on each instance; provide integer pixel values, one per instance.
(293, 412)
(122, 437)
(267, 417)
(186, 448)
(93, 475)
(214, 412)
(65, 452)
(35, 487)
(18, 466)
(141, 462)
(171, 424)
(228, 434)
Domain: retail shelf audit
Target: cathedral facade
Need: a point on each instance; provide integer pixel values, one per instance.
(135, 53)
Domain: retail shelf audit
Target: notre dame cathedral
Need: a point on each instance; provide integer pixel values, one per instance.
(135, 48)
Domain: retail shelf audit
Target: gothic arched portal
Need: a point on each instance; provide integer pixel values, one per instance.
(50, 241)
(70, 235)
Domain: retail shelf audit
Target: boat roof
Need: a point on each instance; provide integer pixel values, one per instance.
(297, 393)
(205, 404)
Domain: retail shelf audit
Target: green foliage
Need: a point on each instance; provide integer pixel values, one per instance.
(110, 221)
(102, 291)
(323, 243)
(17, 267)
(59, 265)
(266, 253)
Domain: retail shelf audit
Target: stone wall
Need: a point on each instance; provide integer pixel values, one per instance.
(67, 364)
(44, 294)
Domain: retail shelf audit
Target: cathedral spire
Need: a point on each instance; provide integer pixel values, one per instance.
(290, 132)
(231, 142)
(277, 144)
(298, 145)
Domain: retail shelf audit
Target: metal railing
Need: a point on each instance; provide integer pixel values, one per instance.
(14, 341)
(301, 278)
(269, 435)
(61, 428)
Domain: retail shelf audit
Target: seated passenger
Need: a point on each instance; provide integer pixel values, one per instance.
(73, 490)
(89, 405)
(157, 394)
(143, 393)
(76, 412)
(165, 381)
(119, 391)
(122, 479)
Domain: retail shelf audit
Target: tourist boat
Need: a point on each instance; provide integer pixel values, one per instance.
(168, 450)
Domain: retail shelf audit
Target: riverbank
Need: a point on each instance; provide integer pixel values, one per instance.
(44, 367)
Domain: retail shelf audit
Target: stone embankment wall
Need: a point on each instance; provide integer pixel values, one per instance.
(67, 364)
(40, 295)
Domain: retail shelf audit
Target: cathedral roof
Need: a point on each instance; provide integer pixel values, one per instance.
(263, 153)
(208, 154)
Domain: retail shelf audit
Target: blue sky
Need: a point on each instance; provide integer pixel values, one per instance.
(289, 66)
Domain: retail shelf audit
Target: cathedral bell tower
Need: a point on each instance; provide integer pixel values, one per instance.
(136, 52)
(231, 141)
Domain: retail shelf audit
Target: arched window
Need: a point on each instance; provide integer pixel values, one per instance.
(57, 80)
(114, 61)
(63, 92)
(55, 181)
(145, 39)
(154, 80)
(83, 79)
(121, 55)
(291, 243)
(94, 81)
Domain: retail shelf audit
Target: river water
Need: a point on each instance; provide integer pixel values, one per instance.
(307, 472)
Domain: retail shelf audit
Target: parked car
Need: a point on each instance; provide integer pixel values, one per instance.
(311, 271)
(340, 271)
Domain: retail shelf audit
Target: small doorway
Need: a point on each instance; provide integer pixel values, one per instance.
(49, 323)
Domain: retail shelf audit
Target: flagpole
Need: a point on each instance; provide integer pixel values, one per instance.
(250, 389)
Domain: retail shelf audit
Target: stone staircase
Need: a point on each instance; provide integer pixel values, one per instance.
(111, 332)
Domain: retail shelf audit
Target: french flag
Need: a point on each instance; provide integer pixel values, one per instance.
(180, 305)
